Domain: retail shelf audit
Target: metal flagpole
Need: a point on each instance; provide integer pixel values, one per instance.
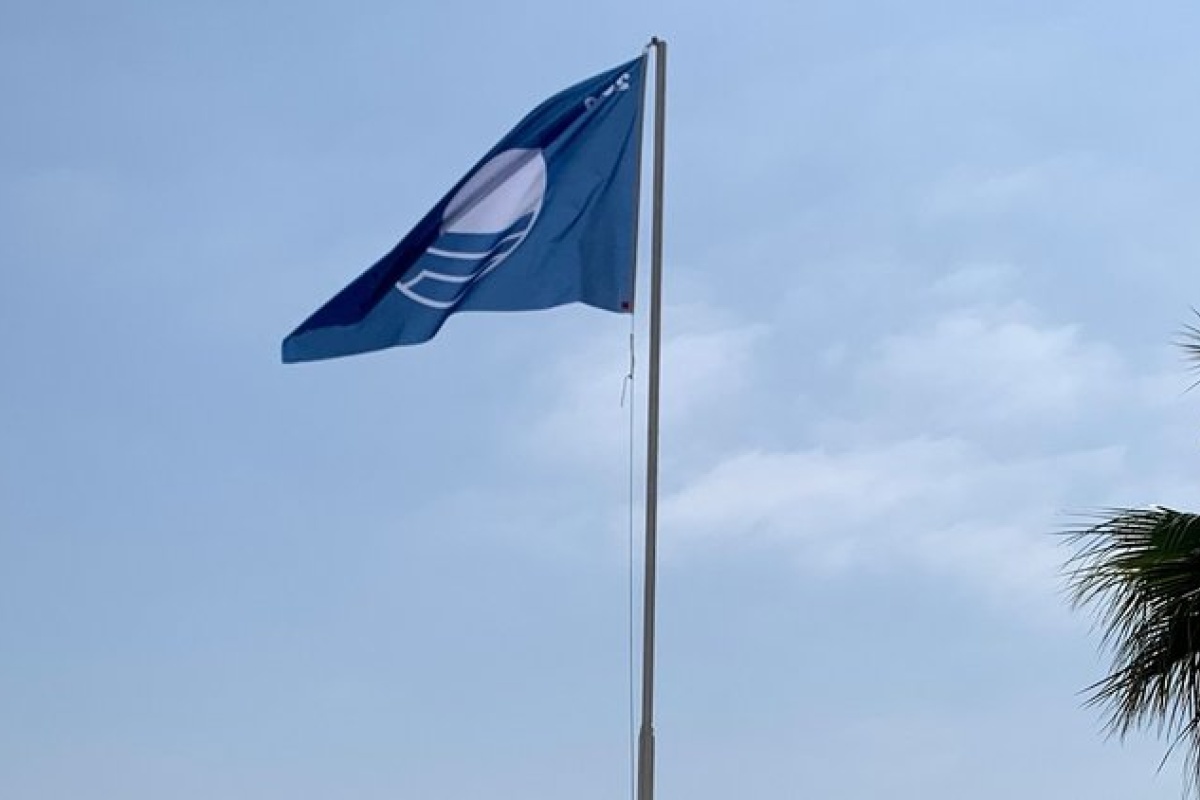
(645, 783)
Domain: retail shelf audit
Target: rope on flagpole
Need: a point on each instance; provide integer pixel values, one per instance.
(631, 600)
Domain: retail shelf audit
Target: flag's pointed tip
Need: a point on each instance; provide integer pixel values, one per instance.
(289, 353)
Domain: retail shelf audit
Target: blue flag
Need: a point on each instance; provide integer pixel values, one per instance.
(547, 217)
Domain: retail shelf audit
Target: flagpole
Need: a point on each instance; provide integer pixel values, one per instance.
(645, 782)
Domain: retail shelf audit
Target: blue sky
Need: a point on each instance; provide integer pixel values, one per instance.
(924, 266)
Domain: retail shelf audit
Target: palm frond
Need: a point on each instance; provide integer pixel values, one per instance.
(1139, 569)
(1189, 342)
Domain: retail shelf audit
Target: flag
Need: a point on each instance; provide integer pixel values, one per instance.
(547, 217)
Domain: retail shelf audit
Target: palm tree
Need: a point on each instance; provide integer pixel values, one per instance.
(1140, 569)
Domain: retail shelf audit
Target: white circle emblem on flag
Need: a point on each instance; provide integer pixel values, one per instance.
(485, 221)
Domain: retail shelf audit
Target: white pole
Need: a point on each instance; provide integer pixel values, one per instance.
(645, 783)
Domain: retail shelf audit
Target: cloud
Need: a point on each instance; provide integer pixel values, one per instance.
(708, 363)
(707, 367)
(984, 365)
(1003, 190)
(955, 447)
(944, 506)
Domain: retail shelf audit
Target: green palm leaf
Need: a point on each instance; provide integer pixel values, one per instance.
(1189, 343)
(1140, 570)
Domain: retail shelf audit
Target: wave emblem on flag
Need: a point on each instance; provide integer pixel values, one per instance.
(483, 224)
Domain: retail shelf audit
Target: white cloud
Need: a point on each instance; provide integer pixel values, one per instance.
(706, 366)
(954, 447)
(941, 505)
(987, 365)
(585, 420)
(1066, 187)
(969, 437)
(975, 282)
(999, 191)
